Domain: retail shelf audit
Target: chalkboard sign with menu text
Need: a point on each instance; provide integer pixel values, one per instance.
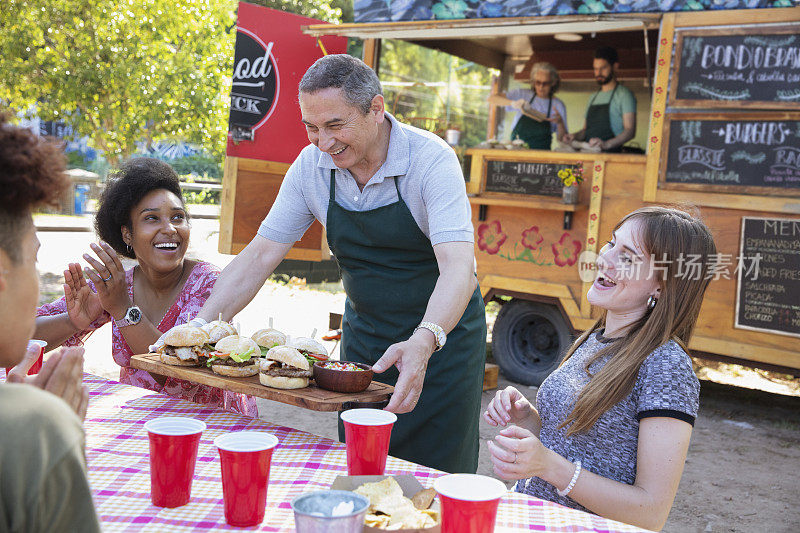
(524, 177)
(752, 67)
(768, 291)
(733, 153)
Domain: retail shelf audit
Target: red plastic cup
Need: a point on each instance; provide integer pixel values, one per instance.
(366, 435)
(37, 366)
(469, 502)
(245, 457)
(173, 452)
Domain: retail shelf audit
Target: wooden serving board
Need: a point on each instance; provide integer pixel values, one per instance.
(311, 397)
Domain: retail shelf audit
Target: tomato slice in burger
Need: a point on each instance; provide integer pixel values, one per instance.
(319, 356)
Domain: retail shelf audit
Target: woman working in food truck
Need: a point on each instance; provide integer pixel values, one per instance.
(538, 99)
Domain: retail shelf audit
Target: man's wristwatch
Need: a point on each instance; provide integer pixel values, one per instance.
(438, 333)
(132, 317)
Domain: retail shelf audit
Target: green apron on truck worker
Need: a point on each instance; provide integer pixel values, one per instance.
(389, 271)
(537, 135)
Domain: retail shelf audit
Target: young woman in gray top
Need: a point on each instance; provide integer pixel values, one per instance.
(611, 426)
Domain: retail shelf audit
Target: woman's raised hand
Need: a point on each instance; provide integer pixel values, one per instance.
(108, 276)
(83, 305)
(517, 453)
(509, 406)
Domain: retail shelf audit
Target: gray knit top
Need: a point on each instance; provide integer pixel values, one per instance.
(666, 386)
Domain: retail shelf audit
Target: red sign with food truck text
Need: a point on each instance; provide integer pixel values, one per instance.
(270, 58)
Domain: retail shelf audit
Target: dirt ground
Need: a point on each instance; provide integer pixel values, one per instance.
(743, 468)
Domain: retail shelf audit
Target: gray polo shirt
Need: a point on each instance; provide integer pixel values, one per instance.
(429, 177)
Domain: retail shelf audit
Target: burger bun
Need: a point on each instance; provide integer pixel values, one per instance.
(185, 335)
(218, 329)
(237, 344)
(309, 345)
(234, 371)
(177, 361)
(288, 356)
(280, 382)
(269, 337)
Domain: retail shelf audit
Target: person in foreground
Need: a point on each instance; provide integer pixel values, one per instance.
(43, 484)
(141, 216)
(394, 205)
(611, 427)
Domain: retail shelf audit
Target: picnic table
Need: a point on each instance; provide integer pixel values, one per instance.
(117, 454)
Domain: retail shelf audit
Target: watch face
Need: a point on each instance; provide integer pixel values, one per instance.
(134, 315)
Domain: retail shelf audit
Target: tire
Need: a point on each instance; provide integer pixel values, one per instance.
(528, 340)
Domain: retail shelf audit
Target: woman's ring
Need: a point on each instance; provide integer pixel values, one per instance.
(107, 279)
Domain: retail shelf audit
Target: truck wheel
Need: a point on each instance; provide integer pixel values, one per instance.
(528, 340)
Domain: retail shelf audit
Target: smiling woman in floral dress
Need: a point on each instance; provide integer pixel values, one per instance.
(141, 216)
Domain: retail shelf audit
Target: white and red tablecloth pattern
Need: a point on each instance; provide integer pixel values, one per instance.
(119, 470)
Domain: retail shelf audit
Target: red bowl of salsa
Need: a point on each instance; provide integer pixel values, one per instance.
(342, 376)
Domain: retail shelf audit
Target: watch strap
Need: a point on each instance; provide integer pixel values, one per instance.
(439, 335)
(132, 312)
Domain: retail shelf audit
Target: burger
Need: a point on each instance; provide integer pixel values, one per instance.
(217, 330)
(183, 346)
(267, 338)
(310, 349)
(235, 356)
(284, 367)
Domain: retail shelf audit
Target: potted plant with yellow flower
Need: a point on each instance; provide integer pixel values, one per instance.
(571, 177)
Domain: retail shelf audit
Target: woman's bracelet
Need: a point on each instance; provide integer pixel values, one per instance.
(572, 481)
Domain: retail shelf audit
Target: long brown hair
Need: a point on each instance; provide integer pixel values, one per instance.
(670, 236)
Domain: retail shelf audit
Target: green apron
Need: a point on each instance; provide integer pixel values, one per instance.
(598, 120)
(538, 135)
(389, 271)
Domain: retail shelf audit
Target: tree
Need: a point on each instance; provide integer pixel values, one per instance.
(125, 71)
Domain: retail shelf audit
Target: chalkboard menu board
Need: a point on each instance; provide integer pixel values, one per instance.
(524, 177)
(733, 152)
(749, 67)
(768, 292)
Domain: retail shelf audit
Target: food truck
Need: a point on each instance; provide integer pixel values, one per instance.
(718, 120)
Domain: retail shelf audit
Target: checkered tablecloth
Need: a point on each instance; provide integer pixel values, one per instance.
(119, 470)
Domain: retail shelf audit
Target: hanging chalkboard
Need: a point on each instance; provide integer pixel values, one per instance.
(524, 177)
(754, 67)
(733, 153)
(768, 289)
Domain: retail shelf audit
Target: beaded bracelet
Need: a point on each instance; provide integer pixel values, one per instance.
(572, 482)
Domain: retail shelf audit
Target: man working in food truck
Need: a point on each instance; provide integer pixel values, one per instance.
(611, 113)
(539, 99)
(393, 202)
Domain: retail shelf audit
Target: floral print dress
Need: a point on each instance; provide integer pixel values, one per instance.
(194, 294)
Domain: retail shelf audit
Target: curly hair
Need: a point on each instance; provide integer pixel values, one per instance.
(126, 188)
(31, 175)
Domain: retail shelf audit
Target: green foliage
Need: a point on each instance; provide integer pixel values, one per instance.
(122, 71)
(200, 164)
(448, 91)
(77, 160)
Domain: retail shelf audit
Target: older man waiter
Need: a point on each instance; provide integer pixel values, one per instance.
(393, 201)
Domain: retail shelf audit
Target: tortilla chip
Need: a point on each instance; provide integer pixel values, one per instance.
(390, 510)
(388, 489)
(423, 499)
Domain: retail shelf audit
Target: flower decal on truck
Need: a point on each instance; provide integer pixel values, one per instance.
(491, 237)
(566, 250)
(531, 238)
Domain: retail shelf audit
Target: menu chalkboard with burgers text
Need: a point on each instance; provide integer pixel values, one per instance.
(524, 177)
(741, 153)
(756, 67)
(768, 291)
